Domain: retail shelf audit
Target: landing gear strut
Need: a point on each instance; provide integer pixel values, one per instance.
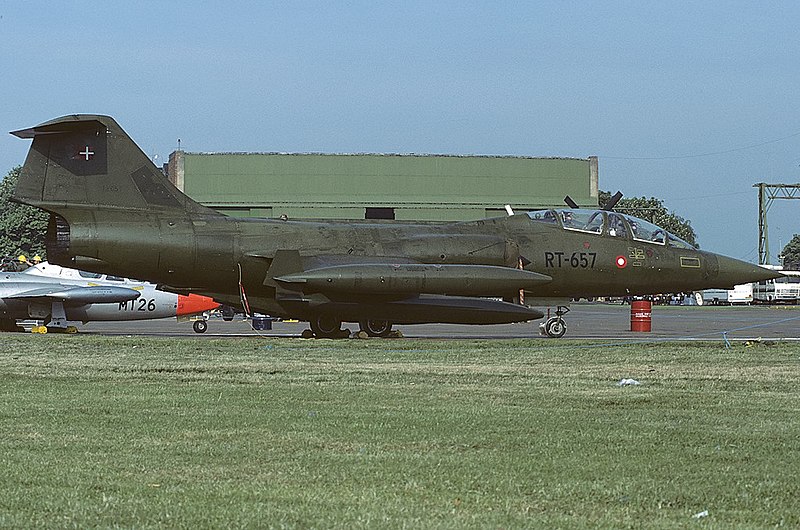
(555, 327)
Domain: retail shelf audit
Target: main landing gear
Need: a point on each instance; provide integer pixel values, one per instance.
(376, 328)
(330, 327)
(555, 327)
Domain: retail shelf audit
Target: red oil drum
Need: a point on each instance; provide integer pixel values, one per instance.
(641, 315)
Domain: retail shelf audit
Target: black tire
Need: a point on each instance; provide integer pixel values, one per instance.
(555, 328)
(376, 328)
(200, 326)
(326, 327)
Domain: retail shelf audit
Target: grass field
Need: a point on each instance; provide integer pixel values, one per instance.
(146, 432)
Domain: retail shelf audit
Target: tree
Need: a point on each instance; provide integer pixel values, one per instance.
(22, 228)
(791, 254)
(653, 210)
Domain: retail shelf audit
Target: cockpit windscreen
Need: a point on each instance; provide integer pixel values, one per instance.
(611, 224)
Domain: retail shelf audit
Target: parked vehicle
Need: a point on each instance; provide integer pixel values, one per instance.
(741, 294)
(712, 297)
(785, 290)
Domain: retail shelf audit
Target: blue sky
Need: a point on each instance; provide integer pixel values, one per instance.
(692, 102)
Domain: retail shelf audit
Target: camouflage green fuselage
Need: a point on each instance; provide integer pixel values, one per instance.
(203, 254)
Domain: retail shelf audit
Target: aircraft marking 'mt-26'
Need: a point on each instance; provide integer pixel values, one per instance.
(112, 211)
(60, 296)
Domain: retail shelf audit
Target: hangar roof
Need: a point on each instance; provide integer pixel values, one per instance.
(357, 180)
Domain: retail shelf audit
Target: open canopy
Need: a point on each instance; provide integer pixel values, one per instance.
(612, 224)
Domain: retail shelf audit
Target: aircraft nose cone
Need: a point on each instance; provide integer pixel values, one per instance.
(736, 272)
(194, 304)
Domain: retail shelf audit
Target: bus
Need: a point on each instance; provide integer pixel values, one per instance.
(784, 290)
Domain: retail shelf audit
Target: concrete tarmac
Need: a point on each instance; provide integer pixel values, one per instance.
(584, 321)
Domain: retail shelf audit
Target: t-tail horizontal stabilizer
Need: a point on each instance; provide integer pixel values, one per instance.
(88, 162)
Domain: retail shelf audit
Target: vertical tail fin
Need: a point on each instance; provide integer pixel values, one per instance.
(88, 162)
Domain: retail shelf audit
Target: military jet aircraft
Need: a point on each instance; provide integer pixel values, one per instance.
(112, 211)
(58, 296)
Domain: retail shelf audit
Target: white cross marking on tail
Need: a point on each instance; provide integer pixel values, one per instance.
(86, 153)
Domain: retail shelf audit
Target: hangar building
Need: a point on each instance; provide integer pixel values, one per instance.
(380, 186)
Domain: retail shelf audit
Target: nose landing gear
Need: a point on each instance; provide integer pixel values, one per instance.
(555, 327)
(200, 326)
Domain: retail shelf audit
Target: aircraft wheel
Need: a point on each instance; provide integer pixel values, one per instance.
(376, 328)
(200, 326)
(555, 327)
(326, 327)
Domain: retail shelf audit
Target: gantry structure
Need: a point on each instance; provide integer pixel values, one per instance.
(767, 193)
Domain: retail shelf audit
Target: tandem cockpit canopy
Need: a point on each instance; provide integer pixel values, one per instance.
(612, 224)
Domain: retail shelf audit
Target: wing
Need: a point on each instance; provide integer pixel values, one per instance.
(70, 295)
(400, 290)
